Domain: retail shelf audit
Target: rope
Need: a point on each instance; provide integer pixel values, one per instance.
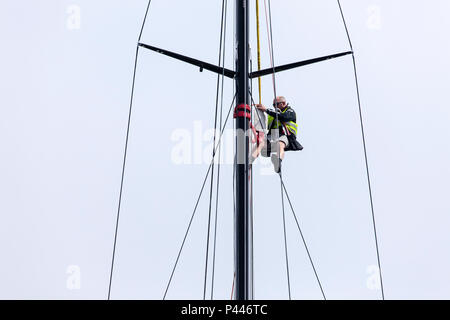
(270, 42)
(365, 148)
(285, 241)
(125, 152)
(271, 54)
(234, 161)
(232, 286)
(258, 44)
(303, 239)
(258, 48)
(198, 199)
(250, 196)
(247, 186)
(221, 63)
(298, 226)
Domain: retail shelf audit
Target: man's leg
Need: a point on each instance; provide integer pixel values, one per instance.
(257, 151)
(281, 146)
(260, 148)
(277, 161)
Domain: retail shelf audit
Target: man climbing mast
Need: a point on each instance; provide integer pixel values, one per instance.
(282, 132)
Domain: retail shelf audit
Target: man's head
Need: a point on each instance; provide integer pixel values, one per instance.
(279, 102)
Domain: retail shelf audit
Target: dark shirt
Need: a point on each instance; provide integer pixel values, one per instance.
(288, 115)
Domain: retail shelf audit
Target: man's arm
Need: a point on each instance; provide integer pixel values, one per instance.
(287, 116)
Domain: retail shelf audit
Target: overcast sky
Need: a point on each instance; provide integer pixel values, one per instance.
(66, 71)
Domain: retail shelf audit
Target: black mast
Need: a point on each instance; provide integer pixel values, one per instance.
(243, 248)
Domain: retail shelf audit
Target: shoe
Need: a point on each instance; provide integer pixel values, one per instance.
(276, 162)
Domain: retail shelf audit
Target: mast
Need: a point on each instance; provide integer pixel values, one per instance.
(243, 245)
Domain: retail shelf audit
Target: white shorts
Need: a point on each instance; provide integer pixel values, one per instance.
(270, 147)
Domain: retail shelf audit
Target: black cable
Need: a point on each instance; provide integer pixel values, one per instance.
(278, 146)
(284, 222)
(220, 149)
(271, 49)
(252, 257)
(234, 165)
(285, 239)
(198, 199)
(246, 159)
(303, 238)
(145, 18)
(125, 151)
(365, 149)
(345, 25)
(298, 225)
(213, 153)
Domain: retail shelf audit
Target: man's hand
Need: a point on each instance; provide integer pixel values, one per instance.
(260, 107)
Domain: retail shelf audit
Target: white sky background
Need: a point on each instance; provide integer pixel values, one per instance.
(64, 98)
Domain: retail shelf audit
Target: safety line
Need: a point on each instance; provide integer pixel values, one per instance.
(365, 149)
(125, 152)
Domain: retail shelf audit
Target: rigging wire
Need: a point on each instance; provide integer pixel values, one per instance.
(364, 147)
(299, 228)
(285, 240)
(247, 188)
(234, 163)
(218, 166)
(198, 200)
(258, 44)
(232, 286)
(271, 53)
(219, 77)
(125, 151)
(251, 197)
(303, 239)
(234, 210)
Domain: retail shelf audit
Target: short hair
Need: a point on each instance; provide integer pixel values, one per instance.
(282, 98)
